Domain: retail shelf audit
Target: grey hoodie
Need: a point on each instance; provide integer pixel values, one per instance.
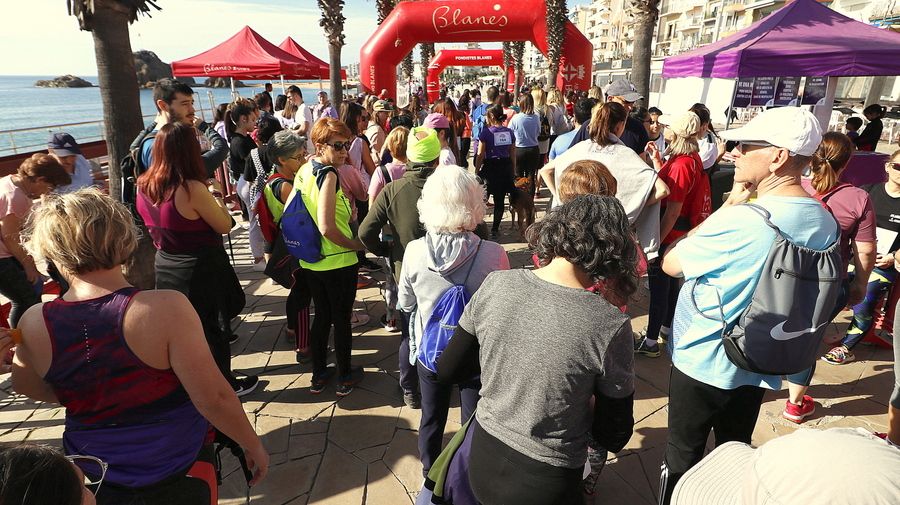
(435, 263)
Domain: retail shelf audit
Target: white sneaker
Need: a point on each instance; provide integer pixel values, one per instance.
(259, 266)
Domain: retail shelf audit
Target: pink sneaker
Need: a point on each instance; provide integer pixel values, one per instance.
(797, 413)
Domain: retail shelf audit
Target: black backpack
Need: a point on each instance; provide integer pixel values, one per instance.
(132, 167)
(545, 128)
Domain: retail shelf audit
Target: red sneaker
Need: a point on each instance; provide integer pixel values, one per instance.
(797, 413)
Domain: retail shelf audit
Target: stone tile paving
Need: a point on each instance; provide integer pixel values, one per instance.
(362, 449)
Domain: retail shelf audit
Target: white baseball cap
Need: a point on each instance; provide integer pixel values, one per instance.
(792, 128)
(686, 124)
(821, 467)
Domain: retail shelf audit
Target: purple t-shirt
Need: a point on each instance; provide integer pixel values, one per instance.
(497, 141)
(855, 215)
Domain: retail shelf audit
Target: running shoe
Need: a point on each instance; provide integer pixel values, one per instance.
(412, 400)
(319, 382)
(259, 266)
(304, 356)
(346, 383)
(233, 338)
(839, 355)
(245, 385)
(647, 347)
(364, 281)
(391, 325)
(797, 413)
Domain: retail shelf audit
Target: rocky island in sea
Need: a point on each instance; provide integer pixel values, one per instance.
(64, 81)
(149, 69)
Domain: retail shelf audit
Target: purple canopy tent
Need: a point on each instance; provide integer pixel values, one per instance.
(802, 38)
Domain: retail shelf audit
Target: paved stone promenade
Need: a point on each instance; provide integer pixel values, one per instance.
(362, 449)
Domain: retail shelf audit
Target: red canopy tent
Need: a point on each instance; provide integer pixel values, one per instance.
(247, 54)
(291, 46)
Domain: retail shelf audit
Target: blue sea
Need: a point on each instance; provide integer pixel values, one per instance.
(22, 105)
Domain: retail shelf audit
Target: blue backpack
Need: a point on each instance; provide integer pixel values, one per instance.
(479, 121)
(300, 233)
(443, 320)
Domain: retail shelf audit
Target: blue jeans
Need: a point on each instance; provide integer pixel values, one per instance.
(15, 286)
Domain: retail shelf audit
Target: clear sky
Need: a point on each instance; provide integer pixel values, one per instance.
(42, 39)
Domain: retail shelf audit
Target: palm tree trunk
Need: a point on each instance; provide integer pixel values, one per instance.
(334, 73)
(122, 119)
(645, 17)
(118, 87)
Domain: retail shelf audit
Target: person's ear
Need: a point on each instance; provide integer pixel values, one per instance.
(162, 106)
(779, 159)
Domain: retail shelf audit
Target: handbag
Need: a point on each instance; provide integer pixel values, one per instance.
(281, 265)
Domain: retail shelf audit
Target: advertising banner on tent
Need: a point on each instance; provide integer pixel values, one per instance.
(814, 90)
(763, 91)
(786, 91)
(743, 92)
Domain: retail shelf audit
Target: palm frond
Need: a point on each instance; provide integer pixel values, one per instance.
(332, 20)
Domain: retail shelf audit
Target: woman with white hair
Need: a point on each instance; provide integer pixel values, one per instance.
(449, 254)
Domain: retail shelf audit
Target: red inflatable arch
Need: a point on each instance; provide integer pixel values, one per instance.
(462, 58)
(467, 21)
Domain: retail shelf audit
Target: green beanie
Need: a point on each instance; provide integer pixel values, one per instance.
(422, 145)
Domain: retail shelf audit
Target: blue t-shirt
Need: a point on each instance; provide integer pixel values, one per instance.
(562, 143)
(723, 261)
(526, 127)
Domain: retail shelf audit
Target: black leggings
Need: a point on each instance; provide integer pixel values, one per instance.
(297, 308)
(14, 285)
(333, 292)
(528, 162)
(465, 145)
(498, 174)
(500, 475)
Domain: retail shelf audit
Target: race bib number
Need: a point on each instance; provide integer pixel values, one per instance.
(502, 138)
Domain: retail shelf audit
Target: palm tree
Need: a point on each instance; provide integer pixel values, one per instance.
(333, 23)
(557, 15)
(384, 7)
(518, 51)
(426, 53)
(644, 13)
(507, 61)
(108, 21)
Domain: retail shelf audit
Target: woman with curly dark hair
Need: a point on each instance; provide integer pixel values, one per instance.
(544, 345)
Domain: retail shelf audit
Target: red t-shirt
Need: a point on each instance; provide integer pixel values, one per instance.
(689, 185)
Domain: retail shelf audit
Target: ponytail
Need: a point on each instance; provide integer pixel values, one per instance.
(829, 159)
(237, 109)
(604, 119)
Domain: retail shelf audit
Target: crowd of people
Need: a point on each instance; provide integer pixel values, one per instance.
(330, 194)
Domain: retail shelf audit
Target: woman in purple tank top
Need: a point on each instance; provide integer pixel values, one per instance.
(137, 398)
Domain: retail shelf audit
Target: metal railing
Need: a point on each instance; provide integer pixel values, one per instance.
(34, 138)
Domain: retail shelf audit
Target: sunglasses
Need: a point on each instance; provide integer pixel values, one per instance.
(741, 144)
(891, 164)
(94, 469)
(340, 146)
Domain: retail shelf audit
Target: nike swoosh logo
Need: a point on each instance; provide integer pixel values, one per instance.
(778, 332)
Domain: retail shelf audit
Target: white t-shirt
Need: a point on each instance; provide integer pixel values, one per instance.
(447, 157)
(304, 112)
(709, 152)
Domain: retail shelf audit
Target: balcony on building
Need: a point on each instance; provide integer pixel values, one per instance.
(669, 8)
(733, 6)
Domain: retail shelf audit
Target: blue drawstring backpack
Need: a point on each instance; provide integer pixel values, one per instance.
(443, 320)
(300, 233)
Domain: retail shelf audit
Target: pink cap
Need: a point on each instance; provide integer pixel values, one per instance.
(435, 120)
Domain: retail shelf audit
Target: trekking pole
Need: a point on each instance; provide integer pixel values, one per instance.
(231, 249)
